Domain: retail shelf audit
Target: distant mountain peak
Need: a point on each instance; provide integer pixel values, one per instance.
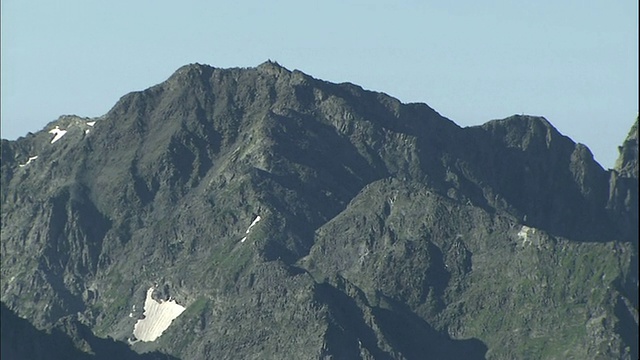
(190, 72)
(291, 217)
(272, 64)
(525, 131)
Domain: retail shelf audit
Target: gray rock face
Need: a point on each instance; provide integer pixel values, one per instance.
(627, 164)
(386, 231)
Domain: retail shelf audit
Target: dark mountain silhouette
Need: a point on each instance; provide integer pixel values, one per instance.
(297, 218)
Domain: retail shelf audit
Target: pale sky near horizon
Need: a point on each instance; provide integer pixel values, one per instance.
(573, 62)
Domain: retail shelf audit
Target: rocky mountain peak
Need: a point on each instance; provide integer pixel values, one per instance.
(627, 163)
(296, 218)
(525, 131)
(272, 68)
(191, 71)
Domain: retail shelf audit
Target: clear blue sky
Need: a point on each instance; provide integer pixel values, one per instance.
(574, 62)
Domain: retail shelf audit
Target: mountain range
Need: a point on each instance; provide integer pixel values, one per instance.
(260, 213)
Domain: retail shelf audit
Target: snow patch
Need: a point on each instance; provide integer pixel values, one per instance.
(29, 161)
(59, 133)
(255, 221)
(524, 233)
(157, 317)
(86, 131)
(91, 123)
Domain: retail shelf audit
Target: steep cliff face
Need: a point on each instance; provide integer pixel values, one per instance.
(623, 186)
(623, 209)
(298, 218)
(627, 164)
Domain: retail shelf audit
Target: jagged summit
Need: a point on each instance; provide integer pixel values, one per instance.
(627, 163)
(272, 67)
(524, 131)
(291, 217)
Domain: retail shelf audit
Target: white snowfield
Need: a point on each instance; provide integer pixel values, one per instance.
(29, 161)
(91, 123)
(157, 317)
(59, 133)
(255, 221)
